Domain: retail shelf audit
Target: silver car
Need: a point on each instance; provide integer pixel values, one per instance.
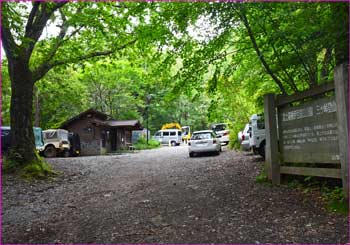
(243, 137)
(221, 129)
(168, 136)
(204, 141)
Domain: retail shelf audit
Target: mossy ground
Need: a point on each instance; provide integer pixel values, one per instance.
(37, 169)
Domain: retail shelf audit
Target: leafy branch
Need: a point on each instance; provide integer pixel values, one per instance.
(45, 67)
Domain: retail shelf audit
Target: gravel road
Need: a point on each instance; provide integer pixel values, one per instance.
(163, 196)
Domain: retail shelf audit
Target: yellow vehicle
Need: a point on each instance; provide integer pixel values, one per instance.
(171, 126)
(186, 133)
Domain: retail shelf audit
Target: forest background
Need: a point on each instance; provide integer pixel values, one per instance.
(191, 63)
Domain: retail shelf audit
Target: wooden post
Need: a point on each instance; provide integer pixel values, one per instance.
(341, 83)
(271, 151)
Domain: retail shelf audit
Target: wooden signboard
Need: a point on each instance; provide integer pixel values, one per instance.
(308, 133)
(316, 131)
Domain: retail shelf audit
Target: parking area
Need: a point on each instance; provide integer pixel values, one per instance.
(163, 196)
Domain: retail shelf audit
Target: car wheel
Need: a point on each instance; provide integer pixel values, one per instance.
(217, 153)
(50, 151)
(173, 143)
(66, 153)
(191, 154)
(261, 149)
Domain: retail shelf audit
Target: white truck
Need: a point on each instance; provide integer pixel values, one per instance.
(257, 136)
(56, 143)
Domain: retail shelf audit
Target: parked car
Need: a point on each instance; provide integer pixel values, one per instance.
(221, 129)
(168, 136)
(257, 136)
(186, 133)
(56, 143)
(74, 143)
(204, 141)
(243, 137)
(39, 139)
(6, 139)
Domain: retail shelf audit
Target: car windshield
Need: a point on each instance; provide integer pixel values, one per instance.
(261, 124)
(219, 127)
(63, 134)
(50, 135)
(201, 136)
(5, 132)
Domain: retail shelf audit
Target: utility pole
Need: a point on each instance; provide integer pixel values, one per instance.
(147, 123)
(148, 100)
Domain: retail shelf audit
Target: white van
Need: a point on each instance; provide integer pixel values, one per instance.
(168, 136)
(257, 136)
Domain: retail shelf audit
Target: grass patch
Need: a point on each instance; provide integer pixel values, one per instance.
(336, 202)
(141, 144)
(262, 177)
(37, 170)
(341, 207)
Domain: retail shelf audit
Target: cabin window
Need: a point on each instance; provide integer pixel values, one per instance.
(87, 130)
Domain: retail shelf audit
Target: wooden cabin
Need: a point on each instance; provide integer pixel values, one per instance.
(99, 133)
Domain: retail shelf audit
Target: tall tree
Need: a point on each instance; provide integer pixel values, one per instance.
(31, 53)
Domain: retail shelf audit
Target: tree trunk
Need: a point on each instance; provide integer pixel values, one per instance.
(325, 65)
(22, 136)
(313, 75)
(341, 27)
(37, 107)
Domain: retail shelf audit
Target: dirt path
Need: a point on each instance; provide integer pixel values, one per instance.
(162, 196)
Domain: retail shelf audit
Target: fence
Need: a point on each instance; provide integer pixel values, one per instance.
(311, 128)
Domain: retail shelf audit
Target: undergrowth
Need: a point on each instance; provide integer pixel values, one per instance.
(262, 177)
(141, 144)
(331, 191)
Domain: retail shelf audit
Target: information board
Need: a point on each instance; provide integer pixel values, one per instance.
(308, 133)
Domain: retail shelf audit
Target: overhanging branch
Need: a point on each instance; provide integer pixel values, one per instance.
(8, 41)
(32, 15)
(243, 17)
(46, 66)
(38, 18)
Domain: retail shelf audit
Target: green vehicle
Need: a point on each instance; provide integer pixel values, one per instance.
(6, 139)
(39, 141)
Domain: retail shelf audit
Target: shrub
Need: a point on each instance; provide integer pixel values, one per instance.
(334, 197)
(141, 144)
(262, 177)
(234, 130)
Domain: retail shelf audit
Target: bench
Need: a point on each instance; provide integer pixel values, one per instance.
(130, 146)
